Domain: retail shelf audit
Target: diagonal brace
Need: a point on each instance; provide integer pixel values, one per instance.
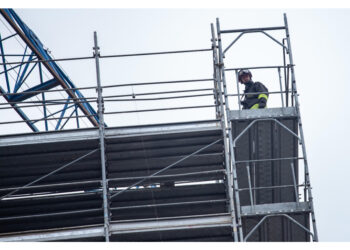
(285, 215)
(259, 120)
(245, 32)
(166, 168)
(49, 174)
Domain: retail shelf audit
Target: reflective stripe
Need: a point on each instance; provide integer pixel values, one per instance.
(255, 106)
(262, 96)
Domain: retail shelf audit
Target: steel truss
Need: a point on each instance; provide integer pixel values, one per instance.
(36, 62)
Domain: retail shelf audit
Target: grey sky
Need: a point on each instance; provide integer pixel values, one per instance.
(320, 43)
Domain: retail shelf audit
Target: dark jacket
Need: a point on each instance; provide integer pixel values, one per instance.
(255, 101)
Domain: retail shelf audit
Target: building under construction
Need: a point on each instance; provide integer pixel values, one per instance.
(242, 176)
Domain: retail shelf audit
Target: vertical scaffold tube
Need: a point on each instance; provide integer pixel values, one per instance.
(226, 148)
(227, 110)
(307, 177)
(281, 89)
(102, 142)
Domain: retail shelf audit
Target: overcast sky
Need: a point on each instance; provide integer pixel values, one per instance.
(320, 43)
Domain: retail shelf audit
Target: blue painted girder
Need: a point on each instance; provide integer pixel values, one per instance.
(59, 77)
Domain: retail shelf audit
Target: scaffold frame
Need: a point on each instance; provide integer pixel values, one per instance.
(220, 134)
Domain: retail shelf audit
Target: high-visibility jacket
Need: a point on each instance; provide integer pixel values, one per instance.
(255, 101)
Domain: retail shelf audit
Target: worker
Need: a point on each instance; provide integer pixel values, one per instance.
(252, 101)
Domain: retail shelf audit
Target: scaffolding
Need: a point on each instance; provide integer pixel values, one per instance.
(236, 177)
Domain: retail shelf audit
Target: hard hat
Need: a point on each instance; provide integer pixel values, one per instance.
(243, 72)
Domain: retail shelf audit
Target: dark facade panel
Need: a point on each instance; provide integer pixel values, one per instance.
(72, 197)
(168, 202)
(50, 212)
(277, 229)
(214, 234)
(266, 140)
(23, 164)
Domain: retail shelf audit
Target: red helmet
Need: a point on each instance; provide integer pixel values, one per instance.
(243, 72)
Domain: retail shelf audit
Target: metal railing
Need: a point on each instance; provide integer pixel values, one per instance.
(284, 91)
(62, 116)
(56, 109)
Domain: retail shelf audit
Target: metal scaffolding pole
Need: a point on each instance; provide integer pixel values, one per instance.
(218, 103)
(307, 177)
(226, 147)
(106, 214)
(232, 155)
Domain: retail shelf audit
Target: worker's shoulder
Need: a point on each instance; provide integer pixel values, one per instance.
(259, 86)
(258, 83)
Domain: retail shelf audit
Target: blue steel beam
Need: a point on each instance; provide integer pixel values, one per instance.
(24, 78)
(5, 68)
(55, 113)
(20, 81)
(62, 114)
(12, 68)
(36, 46)
(20, 112)
(64, 124)
(21, 64)
(35, 40)
(41, 87)
(84, 102)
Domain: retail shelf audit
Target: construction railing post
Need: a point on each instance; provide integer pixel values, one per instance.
(285, 69)
(238, 92)
(216, 89)
(102, 142)
(43, 96)
(232, 154)
(226, 147)
(250, 186)
(295, 95)
(294, 182)
(280, 81)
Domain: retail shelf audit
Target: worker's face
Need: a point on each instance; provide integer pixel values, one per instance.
(245, 78)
